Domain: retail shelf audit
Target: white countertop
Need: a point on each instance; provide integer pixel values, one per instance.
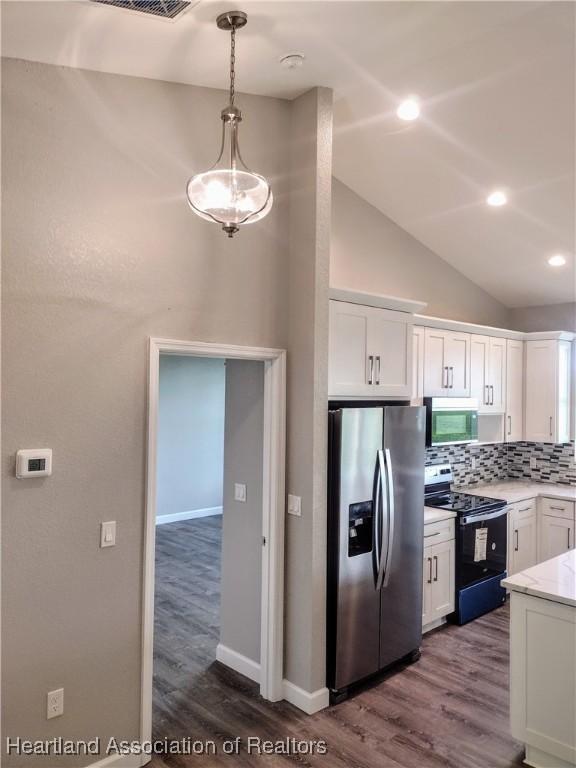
(553, 579)
(432, 515)
(520, 490)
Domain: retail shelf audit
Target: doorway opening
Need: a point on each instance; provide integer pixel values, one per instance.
(213, 578)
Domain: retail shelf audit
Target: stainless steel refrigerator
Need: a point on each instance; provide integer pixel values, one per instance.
(375, 540)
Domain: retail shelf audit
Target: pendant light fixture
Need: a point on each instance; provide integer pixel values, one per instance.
(229, 193)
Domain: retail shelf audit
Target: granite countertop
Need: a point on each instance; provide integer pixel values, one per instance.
(520, 490)
(432, 515)
(554, 579)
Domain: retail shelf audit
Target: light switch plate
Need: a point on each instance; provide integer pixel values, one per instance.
(108, 534)
(239, 492)
(294, 505)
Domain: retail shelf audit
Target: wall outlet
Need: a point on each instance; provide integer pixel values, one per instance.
(54, 703)
(533, 462)
(239, 492)
(294, 505)
(108, 534)
(473, 462)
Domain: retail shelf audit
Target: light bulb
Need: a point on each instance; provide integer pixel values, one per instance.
(497, 198)
(409, 109)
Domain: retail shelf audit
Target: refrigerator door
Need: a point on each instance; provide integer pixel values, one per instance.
(401, 565)
(354, 628)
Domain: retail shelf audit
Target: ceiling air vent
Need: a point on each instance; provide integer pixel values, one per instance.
(165, 9)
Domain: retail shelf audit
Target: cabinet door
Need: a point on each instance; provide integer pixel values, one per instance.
(479, 351)
(523, 539)
(540, 391)
(348, 356)
(442, 602)
(427, 616)
(435, 365)
(417, 365)
(556, 536)
(514, 428)
(390, 344)
(457, 356)
(497, 374)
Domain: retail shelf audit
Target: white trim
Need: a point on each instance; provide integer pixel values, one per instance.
(377, 300)
(238, 662)
(121, 761)
(191, 514)
(307, 702)
(488, 330)
(273, 507)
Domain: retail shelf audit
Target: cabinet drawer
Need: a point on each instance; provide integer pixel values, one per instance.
(435, 533)
(523, 509)
(557, 508)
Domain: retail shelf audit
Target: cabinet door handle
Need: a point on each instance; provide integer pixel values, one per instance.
(516, 542)
(451, 377)
(445, 377)
(568, 538)
(436, 566)
(377, 370)
(487, 394)
(509, 424)
(429, 571)
(370, 368)
(550, 426)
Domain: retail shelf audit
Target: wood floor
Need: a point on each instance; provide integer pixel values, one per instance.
(449, 709)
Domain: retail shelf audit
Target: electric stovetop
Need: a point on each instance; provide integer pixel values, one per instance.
(464, 503)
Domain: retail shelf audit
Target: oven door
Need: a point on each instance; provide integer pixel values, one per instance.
(481, 547)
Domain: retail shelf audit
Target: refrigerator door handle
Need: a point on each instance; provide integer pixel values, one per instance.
(376, 526)
(383, 539)
(391, 515)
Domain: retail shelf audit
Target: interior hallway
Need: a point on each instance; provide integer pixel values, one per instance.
(450, 709)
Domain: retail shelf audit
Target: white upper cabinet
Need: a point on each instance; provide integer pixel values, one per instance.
(370, 351)
(417, 365)
(446, 363)
(547, 391)
(514, 426)
(488, 373)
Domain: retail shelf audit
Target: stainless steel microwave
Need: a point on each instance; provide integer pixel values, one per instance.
(451, 420)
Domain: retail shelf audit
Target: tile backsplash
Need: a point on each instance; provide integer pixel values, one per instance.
(472, 463)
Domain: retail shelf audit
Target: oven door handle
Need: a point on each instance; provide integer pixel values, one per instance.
(479, 518)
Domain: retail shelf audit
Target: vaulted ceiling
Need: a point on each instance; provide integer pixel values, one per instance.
(495, 81)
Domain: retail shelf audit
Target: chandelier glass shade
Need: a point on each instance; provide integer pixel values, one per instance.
(229, 193)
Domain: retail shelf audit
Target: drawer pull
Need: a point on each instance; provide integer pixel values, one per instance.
(558, 509)
(525, 509)
(429, 535)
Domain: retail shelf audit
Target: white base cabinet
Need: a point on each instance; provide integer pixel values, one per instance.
(438, 573)
(522, 536)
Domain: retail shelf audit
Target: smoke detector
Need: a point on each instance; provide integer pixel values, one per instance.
(292, 60)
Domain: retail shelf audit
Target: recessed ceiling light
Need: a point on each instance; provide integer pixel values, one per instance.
(409, 109)
(557, 260)
(292, 60)
(497, 198)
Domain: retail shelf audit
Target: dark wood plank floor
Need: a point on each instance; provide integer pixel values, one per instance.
(449, 709)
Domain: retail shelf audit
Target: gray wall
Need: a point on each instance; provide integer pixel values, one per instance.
(311, 169)
(242, 521)
(100, 252)
(550, 317)
(371, 253)
(190, 434)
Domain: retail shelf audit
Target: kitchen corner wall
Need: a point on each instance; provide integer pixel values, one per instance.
(542, 462)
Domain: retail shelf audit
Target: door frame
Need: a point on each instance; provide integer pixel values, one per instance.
(273, 507)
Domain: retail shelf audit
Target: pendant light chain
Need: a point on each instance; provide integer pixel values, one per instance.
(232, 63)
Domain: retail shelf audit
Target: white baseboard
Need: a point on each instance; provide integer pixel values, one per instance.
(238, 662)
(121, 761)
(307, 702)
(191, 514)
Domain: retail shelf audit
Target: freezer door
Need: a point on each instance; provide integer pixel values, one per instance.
(357, 609)
(401, 565)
